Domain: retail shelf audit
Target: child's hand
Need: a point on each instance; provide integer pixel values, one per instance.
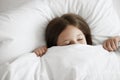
(40, 51)
(112, 43)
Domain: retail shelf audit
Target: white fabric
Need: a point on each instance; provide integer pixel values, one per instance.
(117, 6)
(74, 62)
(20, 30)
(27, 67)
(22, 22)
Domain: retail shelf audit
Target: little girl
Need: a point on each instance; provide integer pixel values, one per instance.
(71, 29)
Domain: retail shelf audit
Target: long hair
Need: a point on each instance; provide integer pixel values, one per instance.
(58, 24)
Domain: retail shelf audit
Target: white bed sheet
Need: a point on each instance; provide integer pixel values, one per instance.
(74, 62)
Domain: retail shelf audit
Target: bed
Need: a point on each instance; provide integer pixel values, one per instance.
(22, 26)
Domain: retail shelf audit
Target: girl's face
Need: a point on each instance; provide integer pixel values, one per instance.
(71, 35)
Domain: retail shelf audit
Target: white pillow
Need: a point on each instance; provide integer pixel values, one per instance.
(24, 22)
(99, 14)
(117, 6)
(22, 29)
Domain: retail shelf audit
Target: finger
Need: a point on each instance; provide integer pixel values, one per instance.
(40, 52)
(104, 45)
(45, 48)
(37, 52)
(113, 45)
(108, 45)
(116, 43)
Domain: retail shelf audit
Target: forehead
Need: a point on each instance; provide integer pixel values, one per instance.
(70, 31)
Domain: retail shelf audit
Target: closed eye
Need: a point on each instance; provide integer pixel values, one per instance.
(79, 39)
(67, 43)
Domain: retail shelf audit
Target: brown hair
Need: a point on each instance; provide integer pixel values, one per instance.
(58, 24)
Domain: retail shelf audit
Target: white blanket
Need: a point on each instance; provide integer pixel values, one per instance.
(74, 62)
